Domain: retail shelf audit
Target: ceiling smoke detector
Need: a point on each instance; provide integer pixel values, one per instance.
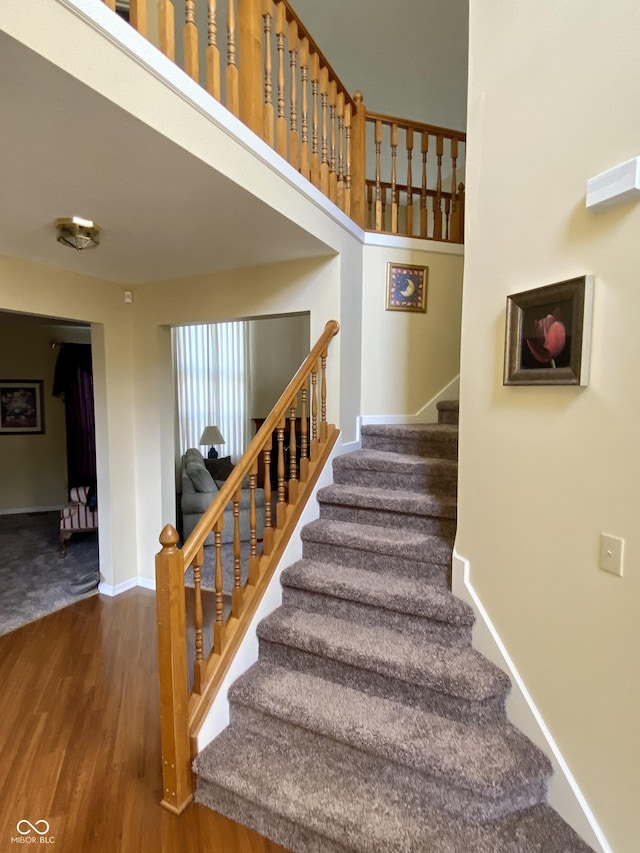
(78, 233)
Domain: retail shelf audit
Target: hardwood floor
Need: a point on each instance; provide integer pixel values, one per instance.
(79, 742)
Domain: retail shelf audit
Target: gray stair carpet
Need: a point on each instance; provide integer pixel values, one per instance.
(369, 723)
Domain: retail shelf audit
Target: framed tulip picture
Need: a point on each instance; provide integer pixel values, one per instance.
(548, 334)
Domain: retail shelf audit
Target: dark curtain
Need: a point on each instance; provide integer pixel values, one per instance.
(73, 381)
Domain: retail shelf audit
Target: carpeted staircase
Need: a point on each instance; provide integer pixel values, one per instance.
(369, 723)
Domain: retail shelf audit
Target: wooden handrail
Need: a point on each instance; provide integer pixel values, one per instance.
(184, 710)
(432, 129)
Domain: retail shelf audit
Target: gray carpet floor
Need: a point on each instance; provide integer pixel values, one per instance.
(34, 580)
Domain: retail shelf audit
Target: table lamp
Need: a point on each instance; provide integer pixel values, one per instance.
(212, 435)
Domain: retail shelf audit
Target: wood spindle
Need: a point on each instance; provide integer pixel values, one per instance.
(267, 534)
(340, 169)
(294, 139)
(394, 178)
(199, 666)
(447, 212)
(347, 175)
(437, 199)
(254, 560)
(371, 221)
(232, 78)
(304, 437)
(461, 203)
(424, 216)
(305, 152)
(384, 208)
(268, 114)
(110, 4)
(358, 172)
(166, 29)
(409, 216)
(324, 134)
(218, 627)
(323, 397)
(315, 126)
(454, 187)
(314, 415)
(250, 64)
(378, 145)
(191, 41)
(281, 120)
(138, 16)
(212, 57)
(293, 462)
(333, 150)
(281, 506)
(236, 593)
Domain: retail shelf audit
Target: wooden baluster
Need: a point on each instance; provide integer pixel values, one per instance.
(304, 440)
(199, 664)
(110, 4)
(447, 210)
(333, 160)
(378, 144)
(191, 41)
(454, 187)
(371, 221)
(314, 415)
(281, 507)
(177, 785)
(358, 160)
(315, 127)
(324, 137)
(267, 534)
(293, 462)
(250, 64)
(409, 218)
(305, 154)
(233, 83)
(394, 179)
(323, 397)
(268, 110)
(424, 216)
(340, 171)
(347, 177)
(166, 29)
(281, 120)
(212, 57)
(236, 594)
(460, 213)
(384, 208)
(218, 627)
(254, 560)
(138, 16)
(437, 200)
(294, 139)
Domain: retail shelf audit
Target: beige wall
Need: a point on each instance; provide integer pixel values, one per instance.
(278, 345)
(408, 357)
(544, 470)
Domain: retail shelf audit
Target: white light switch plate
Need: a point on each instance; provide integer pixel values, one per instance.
(611, 554)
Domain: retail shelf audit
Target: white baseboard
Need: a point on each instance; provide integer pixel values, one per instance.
(112, 591)
(28, 509)
(564, 794)
(428, 414)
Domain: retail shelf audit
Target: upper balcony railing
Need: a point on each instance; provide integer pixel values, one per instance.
(257, 58)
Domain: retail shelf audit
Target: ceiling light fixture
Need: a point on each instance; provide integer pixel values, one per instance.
(78, 233)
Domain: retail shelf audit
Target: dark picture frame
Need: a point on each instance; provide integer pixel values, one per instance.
(548, 334)
(407, 287)
(21, 407)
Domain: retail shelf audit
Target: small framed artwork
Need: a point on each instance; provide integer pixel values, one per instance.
(21, 407)
(548, 334)
(406, 287)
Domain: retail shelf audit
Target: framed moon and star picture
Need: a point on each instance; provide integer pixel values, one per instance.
(406, 287)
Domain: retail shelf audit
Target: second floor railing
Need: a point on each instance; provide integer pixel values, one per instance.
(257, 58)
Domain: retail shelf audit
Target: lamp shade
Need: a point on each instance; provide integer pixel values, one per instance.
(211, 435)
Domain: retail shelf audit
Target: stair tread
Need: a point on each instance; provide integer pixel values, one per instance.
(388, 590)
(393, 541)
(389, 460)
(396, 500)
(450, 670)
(488, 759)
(444, 432)
(292, 781)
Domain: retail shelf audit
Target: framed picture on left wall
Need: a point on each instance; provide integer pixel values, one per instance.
(21, 407)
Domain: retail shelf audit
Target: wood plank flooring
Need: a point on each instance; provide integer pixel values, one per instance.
(79, 737)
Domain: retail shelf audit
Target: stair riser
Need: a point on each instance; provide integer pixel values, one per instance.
(425, 479)
(433, 448)
(430, 525)
(433, 573)
(444, 794)
(386, 686)
(446, 417)
(364, 614)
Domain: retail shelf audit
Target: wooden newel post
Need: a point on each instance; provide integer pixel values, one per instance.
(358, 161)
(177, 784)
(250, 64)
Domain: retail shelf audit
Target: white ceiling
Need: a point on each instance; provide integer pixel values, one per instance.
(65, 151)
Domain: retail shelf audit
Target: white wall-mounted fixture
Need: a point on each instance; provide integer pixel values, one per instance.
(615, 186)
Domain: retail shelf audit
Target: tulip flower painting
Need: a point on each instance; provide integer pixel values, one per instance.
(550, 339)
